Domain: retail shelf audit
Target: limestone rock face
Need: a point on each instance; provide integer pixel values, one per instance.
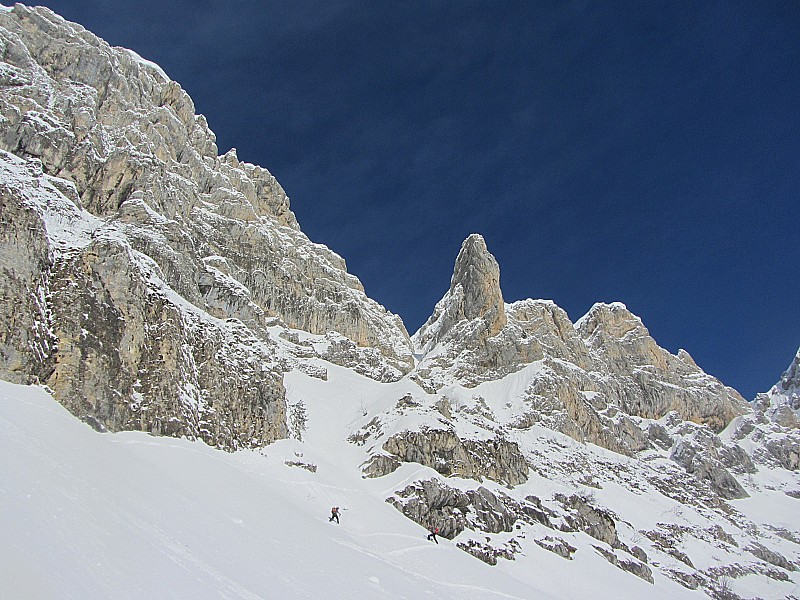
(790, 380)
(132, 254)
(474, 299)
(784, 397)
(593, 376)
(704, 463)
(498, 459)
(472, 336)
(582, 516)
(26, 340)
(654, 381)
(632, 566)
(772, 429)
(432, 503)
(93, 320)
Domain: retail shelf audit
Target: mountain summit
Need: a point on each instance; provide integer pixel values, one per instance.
(474, 297)
(477, 274)
(605, 363)
(143, 274)
(789, 384)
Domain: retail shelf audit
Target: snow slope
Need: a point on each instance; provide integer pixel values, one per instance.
(90, 515)
(127, 515)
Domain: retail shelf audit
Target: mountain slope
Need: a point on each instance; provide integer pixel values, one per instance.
(131, 516)
(154, 286)
(135, 261)
(90, 513)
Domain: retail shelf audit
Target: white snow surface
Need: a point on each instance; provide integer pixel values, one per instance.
(88, 515)
(147, 63)
(127, 515)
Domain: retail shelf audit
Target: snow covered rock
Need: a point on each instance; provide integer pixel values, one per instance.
(557, 546)
(594, 375)
(771, 432)
(705, 466)
(140, 272)
(632, 566)
(582, 516)
(654, 381)
(432, 503)
(789, 385)
(782, 402)
(93, 319)
(496, 459)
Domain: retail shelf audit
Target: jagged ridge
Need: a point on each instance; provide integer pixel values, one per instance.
(123, 271)
(595, 373)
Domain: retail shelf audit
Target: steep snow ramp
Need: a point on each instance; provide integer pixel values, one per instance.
(89, 515)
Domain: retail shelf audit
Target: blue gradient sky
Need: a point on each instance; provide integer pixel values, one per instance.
(642, 152)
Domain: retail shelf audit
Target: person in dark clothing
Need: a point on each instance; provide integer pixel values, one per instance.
(334, 514)
(432, 534)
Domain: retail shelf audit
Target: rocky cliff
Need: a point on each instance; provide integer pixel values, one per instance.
(141, 271)
(771, 431)
(785, 395)
(593, 374)
(154, 285)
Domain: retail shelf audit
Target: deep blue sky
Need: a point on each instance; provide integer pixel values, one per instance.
(643, 152)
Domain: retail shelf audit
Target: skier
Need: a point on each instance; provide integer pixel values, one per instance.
(334, 514)
(432, 534)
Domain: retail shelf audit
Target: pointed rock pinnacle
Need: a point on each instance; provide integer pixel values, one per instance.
(478, 274)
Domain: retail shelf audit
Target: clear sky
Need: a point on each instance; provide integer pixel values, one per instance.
(642, 152)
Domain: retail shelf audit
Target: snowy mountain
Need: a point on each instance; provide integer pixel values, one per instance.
(96, 516)
(141, 270)
(784, 397)
(150, 286)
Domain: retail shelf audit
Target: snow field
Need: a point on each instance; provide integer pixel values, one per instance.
(88, 515)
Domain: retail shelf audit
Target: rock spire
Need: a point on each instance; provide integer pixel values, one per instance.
(477, 274)
(589, 377)
(474, 297)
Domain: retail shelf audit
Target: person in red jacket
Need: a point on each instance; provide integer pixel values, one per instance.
(432, 534)
(334, 514)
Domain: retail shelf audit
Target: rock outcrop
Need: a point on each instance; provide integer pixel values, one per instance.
(772, 429)
(496, 459)
(789, 385)
(782, 403)
(700, 465)
(431, 503)
(632, 566)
